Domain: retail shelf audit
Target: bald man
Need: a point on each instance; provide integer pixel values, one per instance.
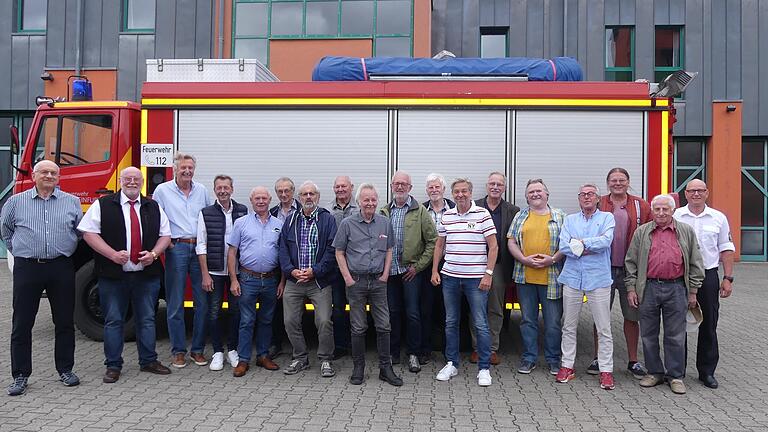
(39, 227)
(714, 236)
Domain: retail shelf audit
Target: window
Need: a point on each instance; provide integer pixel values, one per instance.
(493, 42)
(388, 22)
(689, 163)
(75, 140)
(32, 15)
(23, 121)
(139, 16)
(754, 199)
(620, 53)
(669, 51)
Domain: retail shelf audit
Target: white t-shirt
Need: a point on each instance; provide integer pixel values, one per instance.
(466, 246)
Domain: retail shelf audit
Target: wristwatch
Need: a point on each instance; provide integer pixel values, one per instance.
(489, 272)
(728, 278)
(154, 255)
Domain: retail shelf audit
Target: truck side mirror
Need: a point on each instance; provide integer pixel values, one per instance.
(14, 140)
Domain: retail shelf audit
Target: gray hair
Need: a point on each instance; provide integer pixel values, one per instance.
(539, 181)
(498, 174)
(365, 186)
(179, 157)
(401, 173)
(461, 180)
(664, 197)
(309, 183)
(36, 168)
(436, 177)
(590, 185)
(285, 179)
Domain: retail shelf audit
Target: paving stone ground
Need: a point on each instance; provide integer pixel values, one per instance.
(196, 399)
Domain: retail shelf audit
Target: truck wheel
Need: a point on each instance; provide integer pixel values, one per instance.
(88, 317)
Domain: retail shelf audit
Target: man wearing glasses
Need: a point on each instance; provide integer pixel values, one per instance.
(714, 236)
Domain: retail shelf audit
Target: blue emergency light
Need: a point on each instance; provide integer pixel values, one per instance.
(81, 89)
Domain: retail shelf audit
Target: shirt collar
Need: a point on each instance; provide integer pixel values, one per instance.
(686, 210)
(336, 205)
(312, 215)
(360, 218)
(472, 207)
(406, 205)
(124, 198)
(445, 206)
(56, 192)
(231, 206)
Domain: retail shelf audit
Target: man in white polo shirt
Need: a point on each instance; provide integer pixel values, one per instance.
(467, 236)
(714, 236)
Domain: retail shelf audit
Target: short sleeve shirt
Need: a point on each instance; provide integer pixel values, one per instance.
(712, 232)
(466, 246)
(365, 244)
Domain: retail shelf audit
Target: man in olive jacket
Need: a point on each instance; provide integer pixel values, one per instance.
(664, 271)
(414, 245)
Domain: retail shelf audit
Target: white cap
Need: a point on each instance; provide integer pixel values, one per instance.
(693, 318)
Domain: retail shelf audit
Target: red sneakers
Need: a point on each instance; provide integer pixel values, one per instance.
(565, 374)
(606, 381)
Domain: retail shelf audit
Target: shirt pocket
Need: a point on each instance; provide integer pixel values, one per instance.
(381, 243)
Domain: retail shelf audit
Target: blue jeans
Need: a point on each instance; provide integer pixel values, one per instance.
(140, 292)
(478, 308)
(215, 300)
(180, 261)
(530, 296)
(401, 295)
(263, 291)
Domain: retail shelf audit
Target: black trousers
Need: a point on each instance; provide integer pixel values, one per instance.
(708, 353)
(30, 279)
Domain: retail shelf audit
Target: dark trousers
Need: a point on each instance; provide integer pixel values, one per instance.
(341, 332)
(707, 353)
(30, 279)
(402, 296)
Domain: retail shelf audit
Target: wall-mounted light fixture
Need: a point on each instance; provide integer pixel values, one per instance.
(730, 108)
(46, 76)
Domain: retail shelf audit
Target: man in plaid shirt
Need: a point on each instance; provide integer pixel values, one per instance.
(307, 258)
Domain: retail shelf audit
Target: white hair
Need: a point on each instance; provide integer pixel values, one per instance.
(180, 157)
(438, 178)
(664, 197)
(590, 185)
(311, 184)
(365, 186)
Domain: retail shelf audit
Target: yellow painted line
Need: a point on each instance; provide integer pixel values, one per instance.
(309, 307)
(401, 101)
(664, 152)
(91, 104)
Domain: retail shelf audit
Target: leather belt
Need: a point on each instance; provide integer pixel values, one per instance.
(185, 240)
(261, 275)
(40, 260)
(666, 281)
(366, 275)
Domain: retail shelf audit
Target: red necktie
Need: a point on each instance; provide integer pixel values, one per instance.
(135, 235)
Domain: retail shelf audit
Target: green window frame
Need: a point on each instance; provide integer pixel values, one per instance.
(613, 72)
(754, 199)
(662, 71)
(21, 8)
(489, 37)
(126, 25)
(396, 37)
(689, 162)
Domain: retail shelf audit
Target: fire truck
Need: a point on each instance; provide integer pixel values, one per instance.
(567, 133)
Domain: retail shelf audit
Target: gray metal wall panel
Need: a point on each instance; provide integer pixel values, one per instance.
(501, 12)
(126, 67)
(185, 29)
(6, 28)
(581, 35)
(145, 50)
(204, 29)
(36, 67)
(54, 50)
(93, 28)
(627, 12)
(718, 49)
(694, 61)
(750, 67)
(110, 29)
(534, 34)
(487, 14)
(680, 126)
(706, 69)
(517, 28)
(763, 65)
(165, 28)
(455, 29)
(439, 26)
(20, 71)
(733, 50)
(70, 32)
(571, 21)
(644, 36)
(594, 60)
(555, 30)
(660, 11)
(470, 46)
(677, 12)
(612, 12)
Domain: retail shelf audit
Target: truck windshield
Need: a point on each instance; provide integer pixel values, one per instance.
(75, 139)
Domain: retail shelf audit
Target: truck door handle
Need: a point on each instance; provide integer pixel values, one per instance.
(104, 191)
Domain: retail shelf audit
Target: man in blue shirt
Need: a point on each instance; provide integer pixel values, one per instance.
(585, 240)
(257, 238)
(182, 199)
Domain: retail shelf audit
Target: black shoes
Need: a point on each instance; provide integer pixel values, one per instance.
(386, 373)
(358, 374)
(709, 381)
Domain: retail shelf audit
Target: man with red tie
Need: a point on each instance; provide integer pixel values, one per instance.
(128, 232)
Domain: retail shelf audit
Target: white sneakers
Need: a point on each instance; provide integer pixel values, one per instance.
(233, 358)
(217, 361)
(447, 372)
(484, 378)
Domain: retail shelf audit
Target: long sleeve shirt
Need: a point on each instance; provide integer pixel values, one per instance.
(592, 269)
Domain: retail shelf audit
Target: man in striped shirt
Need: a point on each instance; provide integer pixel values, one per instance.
(467, 235)
(39, 227)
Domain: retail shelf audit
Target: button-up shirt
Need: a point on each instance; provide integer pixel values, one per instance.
(35, 227)
(340, 213)
(437, 215)
(91, 223)
(665, 258)
(712, 232)
(257, 241)
(308, 238)
(365, 244)
(202, 236)
(397, 219)
(182, 210)
(592, 269)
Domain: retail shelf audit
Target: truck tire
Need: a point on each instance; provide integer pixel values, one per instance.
(88, 317)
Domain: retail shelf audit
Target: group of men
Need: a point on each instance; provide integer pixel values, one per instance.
(399, 258)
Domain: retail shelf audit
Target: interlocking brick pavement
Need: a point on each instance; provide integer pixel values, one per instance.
(196, 399)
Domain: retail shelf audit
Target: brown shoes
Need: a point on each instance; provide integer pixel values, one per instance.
(179, 360)
(266, 363)
(474, 357)
(198, 358)
(240, 370)
(495, 358)
(111, 376)
(156, 368)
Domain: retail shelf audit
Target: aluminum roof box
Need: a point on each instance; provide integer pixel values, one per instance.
(208, 70)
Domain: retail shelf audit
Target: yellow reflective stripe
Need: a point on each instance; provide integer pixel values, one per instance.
(309, 307)
(405, 102)
(143, 140)
(664, 152)
(91, 104)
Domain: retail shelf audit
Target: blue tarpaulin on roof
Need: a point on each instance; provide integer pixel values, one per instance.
(360, 69)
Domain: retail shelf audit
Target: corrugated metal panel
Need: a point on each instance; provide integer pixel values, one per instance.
(126, 67)
(20, 71)
(501, 13)
(453, 143)
(517, 28)
(534, 34)
(612, 12)
(470, 25)
(36, 67)
(661, 12)
(6, 27)
(145, 49)
(185, 29)
(554, 47)
(694, 62)
(750, 70)
(733, 50)
(677, 12)
(204, 29)
(165, 29)
(70, 32)
(762, 127)
(92, 19)
(541, 138)
(594, 61)
(54, 50)
(627, 12)
(258, 147)
(110, 29)
(719, 55)
(644, 37)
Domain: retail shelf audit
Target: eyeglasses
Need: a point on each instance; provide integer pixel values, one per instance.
(131, 179)
(587, 194)
(695, 191)
(400, 184)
